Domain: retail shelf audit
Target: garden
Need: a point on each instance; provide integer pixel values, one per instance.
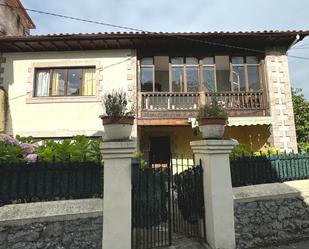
(40, 170)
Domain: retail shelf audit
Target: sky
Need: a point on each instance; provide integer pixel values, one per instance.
(186, 16)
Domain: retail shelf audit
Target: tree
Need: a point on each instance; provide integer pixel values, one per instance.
(301, 114)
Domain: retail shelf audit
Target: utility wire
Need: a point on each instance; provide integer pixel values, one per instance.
(141, 30)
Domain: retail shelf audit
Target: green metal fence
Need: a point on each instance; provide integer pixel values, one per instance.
(251, 170)
(41, 181)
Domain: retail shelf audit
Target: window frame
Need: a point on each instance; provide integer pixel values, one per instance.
(51, 70)
(246, 74)
(202, 66)
(153, 66)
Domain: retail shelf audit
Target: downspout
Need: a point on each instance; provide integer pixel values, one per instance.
(3, 106)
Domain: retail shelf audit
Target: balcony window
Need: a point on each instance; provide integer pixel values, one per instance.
(65, 82)
(184, 74)
(177, 74)
(147, 74)
(208, 74)
(223, 73)
(192, 66)
(245, 74)
(161, 73)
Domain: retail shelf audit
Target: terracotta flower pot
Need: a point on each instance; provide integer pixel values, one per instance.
(212, 128)
(117, 128)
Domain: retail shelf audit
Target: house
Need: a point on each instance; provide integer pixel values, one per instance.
(55, 84)
(14, 19)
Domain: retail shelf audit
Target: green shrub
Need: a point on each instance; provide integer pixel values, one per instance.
(213, 110)
(80, 148)
(240, 150)
(303, 147)
(116, 103)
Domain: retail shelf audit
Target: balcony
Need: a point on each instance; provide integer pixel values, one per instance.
(171, 105)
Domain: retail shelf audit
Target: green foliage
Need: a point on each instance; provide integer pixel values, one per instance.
(142, 162)
(213, 110)
(240, 150)
(11, 152)
(301, 115)
(80, 148)
(303, 147)
(116, 104)
(267, 150)
(29, 139)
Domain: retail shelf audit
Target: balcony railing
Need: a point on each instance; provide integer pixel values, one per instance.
(184, 105)
(238, 100)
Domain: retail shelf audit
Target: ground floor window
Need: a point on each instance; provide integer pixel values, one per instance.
(65, 82)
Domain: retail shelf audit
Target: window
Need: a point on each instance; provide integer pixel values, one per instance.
(177, 75)
(184, 74)
(65, 82)
(223, 73)
(147, 74)
(245, 74)
(192, 66)
(208, 75)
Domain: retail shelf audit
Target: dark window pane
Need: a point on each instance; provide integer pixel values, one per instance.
(177, 61)
(42, 79)
(192, 79)
(253, 78)
(238, 73)
(147, 79)
(238, 60)
(58, 83)
(74, 78)
(209, 79)
(191, 61)
(147, 61)
(223, 73)
(252, 60)
(208, 61)
(177, 79)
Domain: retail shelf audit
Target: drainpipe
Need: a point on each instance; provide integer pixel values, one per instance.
(2, 109)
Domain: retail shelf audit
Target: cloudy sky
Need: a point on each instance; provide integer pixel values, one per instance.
(180, 15)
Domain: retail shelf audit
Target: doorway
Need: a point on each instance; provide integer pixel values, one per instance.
(160, 150)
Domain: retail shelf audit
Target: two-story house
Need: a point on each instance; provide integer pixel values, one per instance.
(14, 19)
(55, 85)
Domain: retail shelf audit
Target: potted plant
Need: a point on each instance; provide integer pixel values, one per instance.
(212, 119)
(118, 121)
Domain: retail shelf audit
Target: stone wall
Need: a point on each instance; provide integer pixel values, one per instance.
(74, 224)
(283, 133)
(270, 214)
(73, 234)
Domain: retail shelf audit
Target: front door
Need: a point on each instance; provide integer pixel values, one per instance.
(160, 150)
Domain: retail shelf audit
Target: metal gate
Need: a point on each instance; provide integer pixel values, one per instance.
(167, 199)
(188, 199)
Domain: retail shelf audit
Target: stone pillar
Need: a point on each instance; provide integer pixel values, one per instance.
(283, 133)
(218, 194)
(117, 194)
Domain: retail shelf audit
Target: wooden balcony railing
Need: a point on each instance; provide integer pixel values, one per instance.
(184, 105)
(170, 101)
(238, 100)
(168, 105)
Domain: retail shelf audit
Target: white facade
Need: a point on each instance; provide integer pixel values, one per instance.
(63, 116)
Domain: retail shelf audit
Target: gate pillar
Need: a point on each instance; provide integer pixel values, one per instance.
(218, 194)
(117, 194)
